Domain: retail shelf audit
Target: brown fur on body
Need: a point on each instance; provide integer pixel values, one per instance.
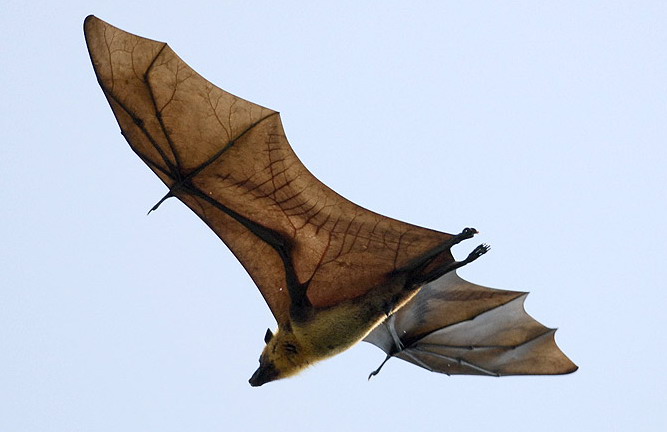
(328, 331)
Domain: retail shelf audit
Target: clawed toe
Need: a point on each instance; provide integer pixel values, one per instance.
(478, 252)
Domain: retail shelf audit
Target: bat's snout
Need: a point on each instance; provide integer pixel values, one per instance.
(263, 374)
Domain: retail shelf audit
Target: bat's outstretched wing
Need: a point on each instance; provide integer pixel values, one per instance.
(455, 327)
(229, 161)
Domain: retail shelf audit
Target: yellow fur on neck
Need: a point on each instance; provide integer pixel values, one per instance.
(331, 330)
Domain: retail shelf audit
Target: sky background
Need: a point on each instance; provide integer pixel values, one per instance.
(542, 125)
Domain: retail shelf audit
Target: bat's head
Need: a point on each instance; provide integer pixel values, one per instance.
(282, 357)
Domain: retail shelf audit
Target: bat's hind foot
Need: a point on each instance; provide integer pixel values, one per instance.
(476, 253)
(424, 260)
(472, 256)
(464, 235)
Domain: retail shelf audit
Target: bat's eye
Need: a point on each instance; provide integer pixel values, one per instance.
(290, 348)
(268, 336)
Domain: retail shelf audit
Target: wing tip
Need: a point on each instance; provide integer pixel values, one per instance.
(89, 19)
(89, 25)
(563, 365)
(96, 27)
(92, 24)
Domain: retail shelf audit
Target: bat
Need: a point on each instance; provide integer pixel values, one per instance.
(332, 273)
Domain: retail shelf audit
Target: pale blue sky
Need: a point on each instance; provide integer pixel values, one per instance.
(542, 125)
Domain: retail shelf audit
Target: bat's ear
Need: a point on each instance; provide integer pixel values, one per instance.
(268, 336)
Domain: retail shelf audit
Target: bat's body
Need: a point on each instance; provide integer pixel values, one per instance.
(325, 333)
(333, 273)
(314, 334)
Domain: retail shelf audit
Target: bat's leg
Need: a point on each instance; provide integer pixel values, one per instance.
(433, 275)
(415, 269)
(423, 261)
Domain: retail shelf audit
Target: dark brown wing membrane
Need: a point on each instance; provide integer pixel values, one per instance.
(229, 161)
(458, 328)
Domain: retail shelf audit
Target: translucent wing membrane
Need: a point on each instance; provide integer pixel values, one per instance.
(455, 327)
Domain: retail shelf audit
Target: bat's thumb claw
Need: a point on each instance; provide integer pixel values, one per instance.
(168, 195)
